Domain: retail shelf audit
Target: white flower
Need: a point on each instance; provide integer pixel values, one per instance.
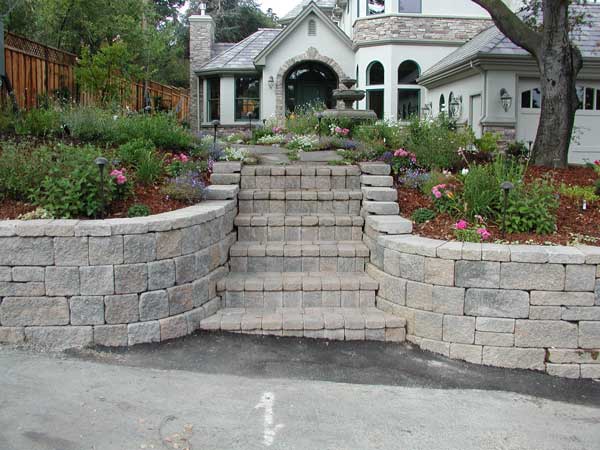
(465, 172)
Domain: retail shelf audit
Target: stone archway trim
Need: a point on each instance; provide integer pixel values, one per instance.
(312, 54)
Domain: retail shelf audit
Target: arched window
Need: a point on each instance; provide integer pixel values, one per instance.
(375, 74)
(442, 104)
(409, 99)
(408, 72)
(312, 27)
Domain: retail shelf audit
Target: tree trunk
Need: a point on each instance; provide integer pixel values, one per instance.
(559, 63)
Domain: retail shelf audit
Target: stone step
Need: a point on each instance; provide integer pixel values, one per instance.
(350, 324)
(272, 290)
(380, 208)
(280, 201)
(280, 228)
(377, 181)
(380, 194)
(300, 177)
(317, 256)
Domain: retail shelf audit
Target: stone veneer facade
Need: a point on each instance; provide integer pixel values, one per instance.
(118, 282)
(515, 306)
(372, 30)
(202, 38)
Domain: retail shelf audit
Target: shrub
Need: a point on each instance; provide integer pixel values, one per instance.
(303, 142)
(304, 120)
(90, 124)
(481, 193)
(71, 187)
(423, 215)
(138, 210)
(436, 143)
(162, 129)
(465, 232)
(40, 123)
(587, 193)
(22, 169)
(188, 188)
(382, 134)
(141, 155)
(532, 208)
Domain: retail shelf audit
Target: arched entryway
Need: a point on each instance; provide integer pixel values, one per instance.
(309, 82)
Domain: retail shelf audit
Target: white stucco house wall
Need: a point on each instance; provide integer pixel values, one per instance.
(410, 56)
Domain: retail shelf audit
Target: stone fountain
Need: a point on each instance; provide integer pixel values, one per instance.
(345, 98)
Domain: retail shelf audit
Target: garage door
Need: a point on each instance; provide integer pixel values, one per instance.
(586, 138)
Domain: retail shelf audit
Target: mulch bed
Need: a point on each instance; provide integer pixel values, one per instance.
(571, 219)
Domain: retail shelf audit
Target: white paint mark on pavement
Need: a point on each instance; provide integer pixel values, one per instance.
(266, 402)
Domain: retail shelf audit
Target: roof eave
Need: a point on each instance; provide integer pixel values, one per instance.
(225, 71)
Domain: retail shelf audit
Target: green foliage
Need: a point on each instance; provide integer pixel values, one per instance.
(22, 169)
(488, 143)
(71, 187)
(304, 120)
(162, 129)
(597, 186)
(468, 235)
(187, 188)
(90, 124)
(138, 210)
(39, 123)
(587, 193)
(423, 215)
(481, 194)
(380, 134)
(436, 143)
(141, 155)
(532, 208)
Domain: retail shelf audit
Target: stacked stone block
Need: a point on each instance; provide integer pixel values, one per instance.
(298, 268)
(114, 282)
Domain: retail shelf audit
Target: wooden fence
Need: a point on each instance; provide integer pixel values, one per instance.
(37, 71)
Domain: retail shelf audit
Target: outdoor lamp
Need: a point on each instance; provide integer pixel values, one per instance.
(101, 162)
(455, 107)
(215, 124)
(505, 99)
(271, 82)
(427, 110)
(319, 116)
(249, 114)
(506, 187)
(202, 8)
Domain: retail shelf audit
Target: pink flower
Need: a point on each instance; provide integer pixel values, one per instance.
(119, 176)
(437, 194)
(597, 162)
(461, 225)
(183, 158)
(485, 234)
(115, 173)
(121, 179)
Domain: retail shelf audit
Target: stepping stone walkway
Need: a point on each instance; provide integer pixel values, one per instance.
(298, 267)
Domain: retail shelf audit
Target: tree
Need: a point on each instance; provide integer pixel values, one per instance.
(559, 62)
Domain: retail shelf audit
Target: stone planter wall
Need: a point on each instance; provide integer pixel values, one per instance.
(529, 307)
(118, 282)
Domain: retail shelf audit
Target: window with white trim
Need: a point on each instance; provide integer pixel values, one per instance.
(375, 7)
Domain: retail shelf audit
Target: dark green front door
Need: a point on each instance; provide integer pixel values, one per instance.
(311, 93)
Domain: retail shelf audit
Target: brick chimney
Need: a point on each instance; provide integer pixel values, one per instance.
(202, 38)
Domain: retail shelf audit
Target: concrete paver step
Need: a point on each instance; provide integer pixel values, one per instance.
(319, 323)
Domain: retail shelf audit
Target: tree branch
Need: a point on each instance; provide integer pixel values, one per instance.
(512, 26)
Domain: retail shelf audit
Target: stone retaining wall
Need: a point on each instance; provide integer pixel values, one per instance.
(529, 307)
(118, 282)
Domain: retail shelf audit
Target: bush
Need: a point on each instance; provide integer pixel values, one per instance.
(188, 188)
(89, 124)
(138, 210)
(146, 162)
(22, 169)
(71, 188)
(481, 193)
(381, 134)
(436, 143)
(40, 123)
(162, 129)
(423, 215)
(580, 193)
(532, 208)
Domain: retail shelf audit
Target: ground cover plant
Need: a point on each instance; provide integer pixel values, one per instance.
(48, 163)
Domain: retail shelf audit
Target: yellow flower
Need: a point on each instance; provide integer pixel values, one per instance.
(450, 195)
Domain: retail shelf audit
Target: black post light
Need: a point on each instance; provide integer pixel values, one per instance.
(320, 119)
(101, 162)
(506, 187)
(215, 124)
(250, 120)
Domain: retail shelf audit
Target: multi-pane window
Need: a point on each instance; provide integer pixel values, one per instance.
(247, 97)
(409, 99)
(213, 97)
(410, 6)
(531, 99)
(375, 74)
(375, 7)
(589, 98)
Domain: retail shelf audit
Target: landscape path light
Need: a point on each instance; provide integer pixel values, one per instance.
(506, 187)
(215, 124)
(101, 162)
(250, 119)
(319, 116)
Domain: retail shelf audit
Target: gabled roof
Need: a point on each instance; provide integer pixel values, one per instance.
(311, 8)
(240, 56)
(297, 10)
(492, 43)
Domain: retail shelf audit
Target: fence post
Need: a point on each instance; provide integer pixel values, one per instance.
(2, 56)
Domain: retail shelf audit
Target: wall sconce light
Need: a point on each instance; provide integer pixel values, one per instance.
(506, 99)
(271, 82)
(428, 110)
(455, 106)
(202, 8)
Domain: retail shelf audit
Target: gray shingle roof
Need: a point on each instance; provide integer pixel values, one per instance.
(492, 42)
(220, 47)
(241, 56)
(296, 10)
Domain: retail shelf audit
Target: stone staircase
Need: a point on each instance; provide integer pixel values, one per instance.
(299, 265)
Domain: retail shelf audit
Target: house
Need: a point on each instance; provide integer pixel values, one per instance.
(410, 56)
